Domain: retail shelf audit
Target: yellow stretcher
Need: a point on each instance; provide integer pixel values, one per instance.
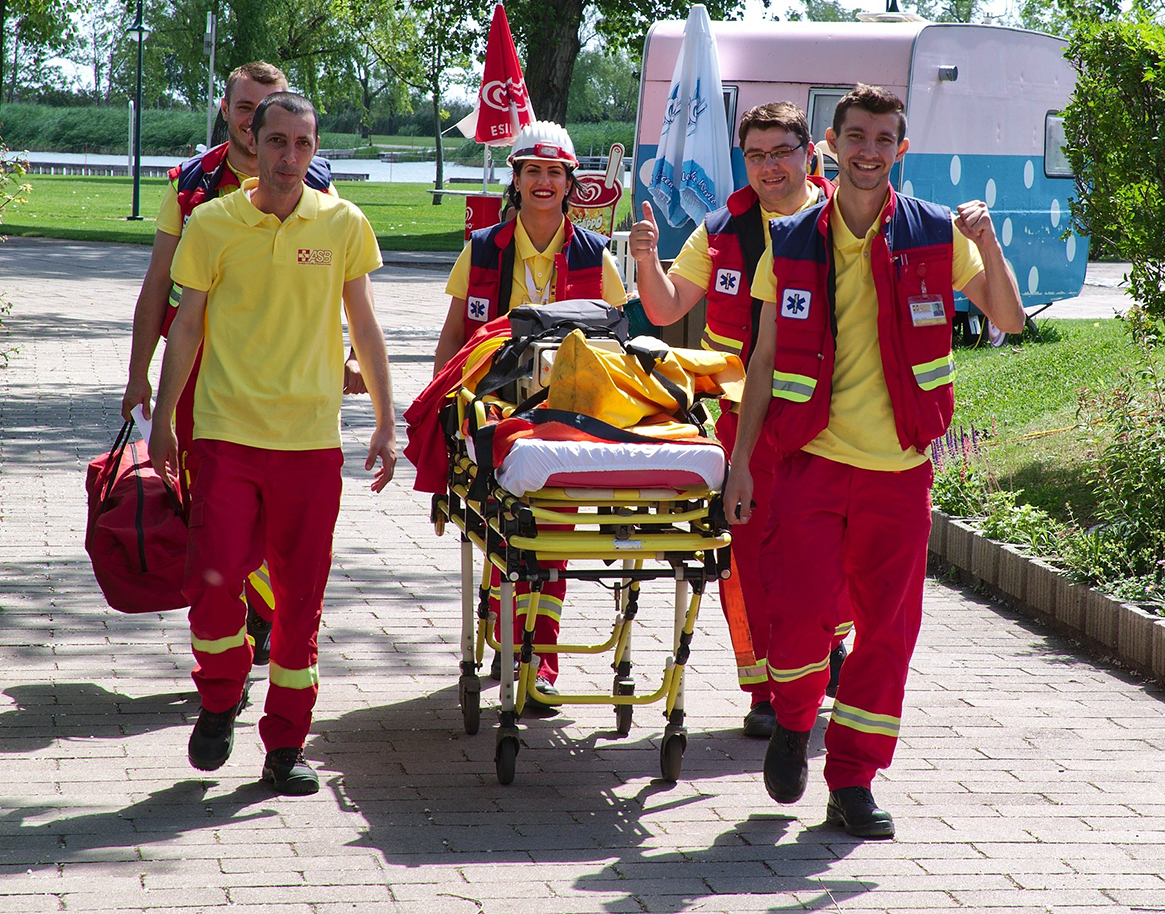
(623, 537)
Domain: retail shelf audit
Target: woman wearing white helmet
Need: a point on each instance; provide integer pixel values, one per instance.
(539, 256)
(549, 258)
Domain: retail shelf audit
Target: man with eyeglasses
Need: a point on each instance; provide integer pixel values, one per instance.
(718, 261)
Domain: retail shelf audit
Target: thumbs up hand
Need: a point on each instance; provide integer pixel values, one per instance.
(644, 237)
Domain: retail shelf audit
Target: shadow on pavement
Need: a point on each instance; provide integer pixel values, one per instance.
(430, 797)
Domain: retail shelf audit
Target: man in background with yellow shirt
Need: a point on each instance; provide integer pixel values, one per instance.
(718, 262)
(264, 273)
(858, 302)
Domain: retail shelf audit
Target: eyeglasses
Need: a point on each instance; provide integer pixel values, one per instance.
(774, 156)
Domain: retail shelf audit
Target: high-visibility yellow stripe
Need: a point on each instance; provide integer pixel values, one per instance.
(937, 373)
(307, 678)
(261, 581)
(791, 675)
(843, 629)
(752, 675)
(866, 721)
(718, 343)
(547, 606)
(220, 645)
(796, 387)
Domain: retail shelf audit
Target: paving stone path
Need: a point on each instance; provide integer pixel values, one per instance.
(1029, 777)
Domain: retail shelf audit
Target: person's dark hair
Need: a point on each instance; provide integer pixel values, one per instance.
(872, 99)
(782, 115)
(257, 71)
(288, 101)
(513, 198)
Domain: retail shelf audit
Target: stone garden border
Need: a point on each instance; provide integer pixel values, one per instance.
(1132, 635)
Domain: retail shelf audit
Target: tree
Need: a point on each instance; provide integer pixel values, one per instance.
(823, 11)
(424, 43)
(549, 32)
(1115, 131)
(38, 28)
(605, 87)
(100, 24)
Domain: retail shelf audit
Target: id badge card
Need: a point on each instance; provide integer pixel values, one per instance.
(927, 311)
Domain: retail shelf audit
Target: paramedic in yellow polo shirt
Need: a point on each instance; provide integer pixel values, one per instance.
(717, 263)
(856, 326)
(265, 273)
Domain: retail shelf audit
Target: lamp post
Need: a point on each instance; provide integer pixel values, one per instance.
(208, 43)
(139, 31)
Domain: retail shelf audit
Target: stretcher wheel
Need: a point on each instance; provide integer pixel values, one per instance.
(471, 710)
(671, 755)
(624, 713)
(505, 759)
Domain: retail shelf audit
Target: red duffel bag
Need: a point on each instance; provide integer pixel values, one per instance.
(136, 534)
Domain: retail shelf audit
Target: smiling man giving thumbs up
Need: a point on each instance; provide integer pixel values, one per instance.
(718, 261)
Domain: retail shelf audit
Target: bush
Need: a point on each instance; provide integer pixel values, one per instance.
(100, 130)
(1114, 126)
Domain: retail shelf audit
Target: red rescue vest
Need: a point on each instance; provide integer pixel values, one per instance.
(911, 263)
(578, 270)
(733, 314)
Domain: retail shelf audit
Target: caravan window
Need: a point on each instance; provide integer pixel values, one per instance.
(1056, 164)
(822, 103)
(730, 93)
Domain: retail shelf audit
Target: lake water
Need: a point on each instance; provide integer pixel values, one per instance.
(410, 172)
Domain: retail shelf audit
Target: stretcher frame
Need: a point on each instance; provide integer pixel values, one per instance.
(675, 533)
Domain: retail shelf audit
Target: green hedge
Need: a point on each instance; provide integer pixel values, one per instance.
(99, 130)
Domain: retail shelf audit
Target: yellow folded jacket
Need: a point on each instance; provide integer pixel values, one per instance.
(620, 390)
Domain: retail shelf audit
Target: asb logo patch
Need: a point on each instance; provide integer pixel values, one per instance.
(310, 256)
(729, 282)
(795, 304)
(476, 308)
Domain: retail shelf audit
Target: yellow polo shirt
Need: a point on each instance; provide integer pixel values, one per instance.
(861, 430)
(541, 264)
(694, 263)
(273, 356)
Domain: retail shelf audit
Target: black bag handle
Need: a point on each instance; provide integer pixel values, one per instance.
(116, 452)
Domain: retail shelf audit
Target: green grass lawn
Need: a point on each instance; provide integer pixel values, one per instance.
(1025, 397)
(96, 209)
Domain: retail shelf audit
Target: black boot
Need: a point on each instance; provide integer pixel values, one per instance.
(787, 765)
(836, 658)
(854, 809)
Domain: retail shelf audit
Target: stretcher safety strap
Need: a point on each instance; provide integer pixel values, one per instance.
(220, 645)
(865, 721)
(307, 678)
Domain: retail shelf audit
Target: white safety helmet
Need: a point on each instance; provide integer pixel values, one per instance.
(545, 141)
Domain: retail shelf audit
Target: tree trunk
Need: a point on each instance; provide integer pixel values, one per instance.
(551, 48)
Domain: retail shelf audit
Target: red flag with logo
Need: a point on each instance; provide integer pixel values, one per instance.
(503, 105)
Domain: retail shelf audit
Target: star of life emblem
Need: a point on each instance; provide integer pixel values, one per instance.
(795, 304)
(728, 282)
(476, 308)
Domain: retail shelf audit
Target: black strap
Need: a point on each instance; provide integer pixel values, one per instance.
(648, 360)
(114, 459)
(750, 232)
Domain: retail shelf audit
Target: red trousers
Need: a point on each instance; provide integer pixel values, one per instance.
(546, 626)
(249, 502)
(835, 528)
(258, 588)
(746, 550)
